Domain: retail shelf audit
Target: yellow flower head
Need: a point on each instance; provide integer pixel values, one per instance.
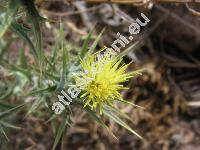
(100, 80)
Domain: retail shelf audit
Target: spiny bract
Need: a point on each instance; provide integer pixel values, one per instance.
(100, 80)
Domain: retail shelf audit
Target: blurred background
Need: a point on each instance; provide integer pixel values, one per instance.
(169, 89)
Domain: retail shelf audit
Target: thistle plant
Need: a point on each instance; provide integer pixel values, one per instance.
(100, 80)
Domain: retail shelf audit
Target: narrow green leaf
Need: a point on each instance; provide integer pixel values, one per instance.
(52, 67)
(2, 131)
(35, 20)
(126, 51)
(64, 69)
(54, 77)
(118, 112)
(22, 58)
(65, 58)
(94, 116)
(22, 32)
(40, 91)
(127, 102)
(92, 48)
(115, 118)
(35, 105)
(53, 116)
(23, 71)
(8, 93)
(10, 111)
(55, 52)
(3, 47)
(5, 106)
(13, 6)
(8, 125)
(60, 131)
(85, 45)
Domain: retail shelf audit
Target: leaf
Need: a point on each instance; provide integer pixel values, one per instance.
(10, 111)
(8, 125)
(8, 92)
(116, 119)
(22, 32)
(49, 63)
(22, 58)
(53, 116)
(5, 106)
(22, 71)
(2, 131)
(48, 89)
(92, 48)
(126, 51)
(85, 45)
(127, 102)
(35, 20)
(13, 6)
(118, 112)
(34, 106)
(60, 131)
(55, 52)
(64, 71)
(93, 115)
(64, 60)
(3, 47)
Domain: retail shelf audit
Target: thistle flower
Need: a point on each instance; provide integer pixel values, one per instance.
(100, 80)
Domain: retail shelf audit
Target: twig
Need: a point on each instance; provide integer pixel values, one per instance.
(194, 103)
(64, 14)
(72, 26)
(194, 12)
(178, 18)
(81, 6)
